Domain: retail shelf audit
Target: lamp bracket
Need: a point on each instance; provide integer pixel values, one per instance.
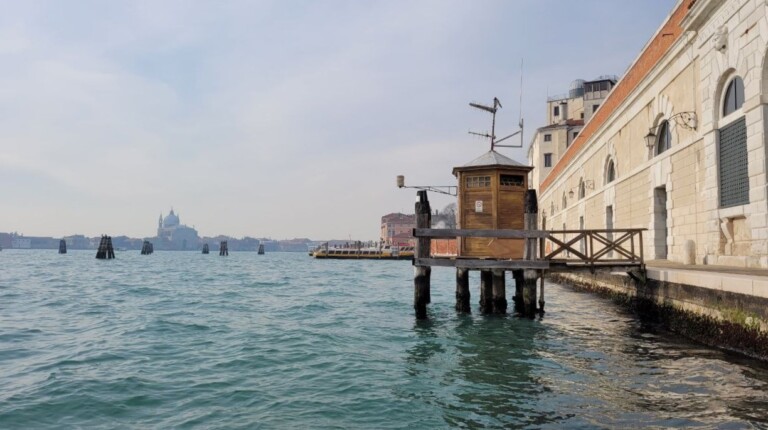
(450, 190)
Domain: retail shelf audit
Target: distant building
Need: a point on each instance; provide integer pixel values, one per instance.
(397, 229)
(566, 115)
(171, 234)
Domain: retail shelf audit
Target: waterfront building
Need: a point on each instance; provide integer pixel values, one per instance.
(678, 146)
(171, 234)
(397, 229)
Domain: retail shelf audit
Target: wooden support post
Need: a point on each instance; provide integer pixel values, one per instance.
(462, 291)
(486, 292)
(206, 249)
(530, 277)
(541, 291)
(223, 248)
(422, 274)
(499, 292)
(529, 292)
(517, 275)
(62, 246)
(261, 249)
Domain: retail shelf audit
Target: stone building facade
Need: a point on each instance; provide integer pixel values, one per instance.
(679, 144)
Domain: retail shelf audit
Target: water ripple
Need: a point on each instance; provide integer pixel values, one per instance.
(284, 341)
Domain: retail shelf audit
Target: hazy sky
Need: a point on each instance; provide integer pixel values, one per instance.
(274, 118)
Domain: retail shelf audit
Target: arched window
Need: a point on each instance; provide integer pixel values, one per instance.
(552, 207)
(565, 201)
(610, 172)
(732, 155)
(664, 139)
(734, 96)
(582, 189)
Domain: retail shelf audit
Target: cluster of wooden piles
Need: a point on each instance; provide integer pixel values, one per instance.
(223, 248)
(147, 248)
(206, 249)
(105, 251)
(62, 246)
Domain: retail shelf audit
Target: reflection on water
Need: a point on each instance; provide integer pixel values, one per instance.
(587, 363)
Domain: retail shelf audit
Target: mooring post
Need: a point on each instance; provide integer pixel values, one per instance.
(62, 246)
(530, 277)
(499, 292)
(422, 274)
(517, 275)
(223, 248)
(486, 292)
(462, 291)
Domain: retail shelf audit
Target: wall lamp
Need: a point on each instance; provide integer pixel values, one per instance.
(588, 184)
(686, 120)
(450, 190)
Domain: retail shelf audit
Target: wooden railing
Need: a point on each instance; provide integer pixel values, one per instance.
(595, 246)
(557, 250)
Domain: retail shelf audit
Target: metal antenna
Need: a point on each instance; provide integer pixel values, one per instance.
(492, 136)
(520, 121)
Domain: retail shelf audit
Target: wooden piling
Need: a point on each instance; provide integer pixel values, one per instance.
(462, 291)
(486, 292)
(530, 277)
(261, 249)
(62, 246)
(499, 292)
(422, 274)
(206, 249)
(223, 248)
(517, 275)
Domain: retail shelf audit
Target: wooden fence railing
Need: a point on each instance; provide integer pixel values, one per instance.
(562, 248)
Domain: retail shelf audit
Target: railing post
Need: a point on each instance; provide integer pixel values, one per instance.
(422, 274)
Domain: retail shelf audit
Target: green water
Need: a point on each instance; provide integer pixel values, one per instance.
(185, 340)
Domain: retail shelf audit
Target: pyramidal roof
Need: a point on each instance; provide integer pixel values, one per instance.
(493, 158)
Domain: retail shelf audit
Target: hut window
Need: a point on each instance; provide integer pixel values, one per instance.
(511, 180)
(478, 181)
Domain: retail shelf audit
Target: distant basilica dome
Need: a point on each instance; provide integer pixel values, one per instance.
(171, 220)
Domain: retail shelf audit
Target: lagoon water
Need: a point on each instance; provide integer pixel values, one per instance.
(181, 339)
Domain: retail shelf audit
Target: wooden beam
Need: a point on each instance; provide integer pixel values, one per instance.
(498, 234)
(476, 264)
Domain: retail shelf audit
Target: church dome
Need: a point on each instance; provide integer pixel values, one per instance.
(171, 220)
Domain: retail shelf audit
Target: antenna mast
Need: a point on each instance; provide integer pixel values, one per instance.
(492, 136)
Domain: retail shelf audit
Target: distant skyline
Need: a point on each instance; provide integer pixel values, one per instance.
(275, 119)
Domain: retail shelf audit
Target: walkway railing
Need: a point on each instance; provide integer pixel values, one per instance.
(560, 250)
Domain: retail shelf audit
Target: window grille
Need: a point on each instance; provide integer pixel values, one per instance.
(478, 181)
(732, 158)
(511, 180)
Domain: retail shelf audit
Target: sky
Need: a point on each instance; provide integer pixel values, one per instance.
(278, 119)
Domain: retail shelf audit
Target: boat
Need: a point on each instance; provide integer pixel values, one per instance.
(384, 253)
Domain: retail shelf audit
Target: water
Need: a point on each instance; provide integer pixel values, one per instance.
(185, 340)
